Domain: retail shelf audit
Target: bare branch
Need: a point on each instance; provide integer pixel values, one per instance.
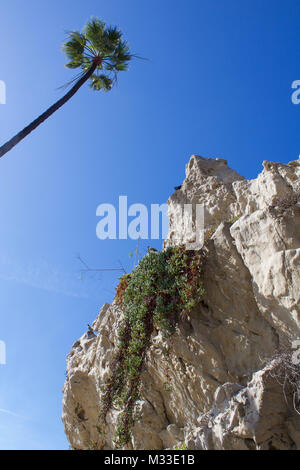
(287, 374)
(87, 269)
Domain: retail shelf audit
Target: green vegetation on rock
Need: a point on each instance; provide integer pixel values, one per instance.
(164, 286)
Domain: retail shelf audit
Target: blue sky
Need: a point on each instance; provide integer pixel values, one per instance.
(217, 83)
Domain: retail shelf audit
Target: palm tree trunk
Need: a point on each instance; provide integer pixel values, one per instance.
(34, 124)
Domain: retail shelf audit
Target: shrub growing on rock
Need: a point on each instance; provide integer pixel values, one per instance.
(164, 286)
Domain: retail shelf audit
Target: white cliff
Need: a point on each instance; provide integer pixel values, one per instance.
(214, 383)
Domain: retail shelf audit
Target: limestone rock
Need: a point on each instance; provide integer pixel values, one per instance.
(208, 385)
(249, 418)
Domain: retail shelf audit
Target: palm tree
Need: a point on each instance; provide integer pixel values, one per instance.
(100, 52)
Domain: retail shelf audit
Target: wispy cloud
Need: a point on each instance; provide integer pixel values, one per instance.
(42, 276)
(11, 413)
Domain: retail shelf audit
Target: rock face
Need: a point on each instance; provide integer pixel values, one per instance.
(208, 386)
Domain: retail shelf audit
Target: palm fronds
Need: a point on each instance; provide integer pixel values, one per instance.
(100, 45)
